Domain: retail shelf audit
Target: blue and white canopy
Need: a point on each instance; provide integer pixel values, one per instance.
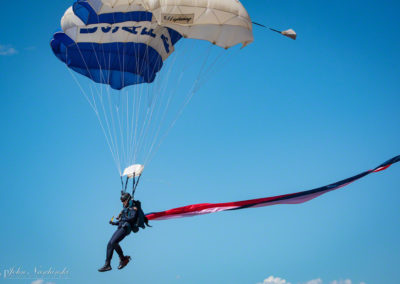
(125, 42)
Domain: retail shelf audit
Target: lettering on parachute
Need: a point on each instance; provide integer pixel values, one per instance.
(178, 18)
(130, 29)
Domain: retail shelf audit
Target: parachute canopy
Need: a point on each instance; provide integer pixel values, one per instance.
(122, 43)
(222, 22)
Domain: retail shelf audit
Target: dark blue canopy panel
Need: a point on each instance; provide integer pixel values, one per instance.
(118, 49)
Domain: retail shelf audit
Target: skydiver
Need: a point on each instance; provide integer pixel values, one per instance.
(125, 219)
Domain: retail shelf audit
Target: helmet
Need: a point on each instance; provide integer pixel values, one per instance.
(125, 196)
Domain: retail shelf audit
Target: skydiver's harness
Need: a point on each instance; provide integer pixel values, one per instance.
(140, 220)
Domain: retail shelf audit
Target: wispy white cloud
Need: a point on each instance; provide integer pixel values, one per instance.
(315, 281)
(346, 281)
(8, 50)
(274, 280)
(41, 281)
(277, 280)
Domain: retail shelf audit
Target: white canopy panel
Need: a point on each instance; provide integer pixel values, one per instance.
(223, 22)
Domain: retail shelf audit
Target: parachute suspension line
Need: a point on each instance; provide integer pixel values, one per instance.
(163, 84)
(105, 91)
(111, 129)
(161, 93)
(101, 96)
(135, 184)
(158, 93)
(142, 121)
(138, 109)
(212, 69)
(139, 93)
(140, 131)
(112, 121)
(154, 95)
(171, 96)
(128, 131)
(82, 90)
(150, 155)
(186, 102)
(127, 125)
(126, 183)
(203, 72)
(116, 157)
(193, 89)
(134, 123)
(109, 139)
(132, 135)
(135, 127)
(151, 105)
(136, 130)
(117, 111)
(95, 109)
(145, 122)
(122, 138)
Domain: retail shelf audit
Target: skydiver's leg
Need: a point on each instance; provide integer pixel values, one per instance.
(119, 251)
(113, 244)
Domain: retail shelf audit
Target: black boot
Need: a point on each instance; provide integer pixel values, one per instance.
(124, 261)
(105, 268)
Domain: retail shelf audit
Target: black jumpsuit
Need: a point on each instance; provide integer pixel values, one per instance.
(124, 228)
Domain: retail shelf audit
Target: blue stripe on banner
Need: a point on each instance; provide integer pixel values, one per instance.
(85, 12)
(116, 64)
(319, 190)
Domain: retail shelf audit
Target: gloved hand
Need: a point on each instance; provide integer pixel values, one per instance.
(112, 222)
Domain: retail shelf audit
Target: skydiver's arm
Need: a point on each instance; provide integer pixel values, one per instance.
(119, 215)
(114, 223)
(133, 216)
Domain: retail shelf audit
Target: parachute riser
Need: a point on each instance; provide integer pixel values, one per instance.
(124, 184)
(134, 186)
(135, 183)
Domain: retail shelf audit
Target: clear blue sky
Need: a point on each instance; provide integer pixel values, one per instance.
(283, 116)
